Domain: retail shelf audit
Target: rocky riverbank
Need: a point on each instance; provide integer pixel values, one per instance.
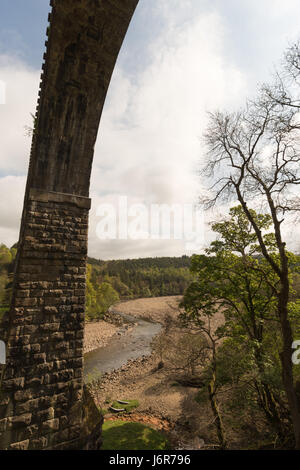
(155, 309)
(98, 334)
(164, 402)
(163, 406)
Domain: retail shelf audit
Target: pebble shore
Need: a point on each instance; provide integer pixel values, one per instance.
(97, 334)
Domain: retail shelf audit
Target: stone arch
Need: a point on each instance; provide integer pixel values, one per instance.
(43, 404)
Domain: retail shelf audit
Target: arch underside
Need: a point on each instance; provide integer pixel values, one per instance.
(42, 401)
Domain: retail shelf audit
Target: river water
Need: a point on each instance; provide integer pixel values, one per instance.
(120, 349)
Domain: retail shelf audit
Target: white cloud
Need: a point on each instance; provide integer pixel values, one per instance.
(11, 202)
(149, 141)
(21, 96)
(149, 144)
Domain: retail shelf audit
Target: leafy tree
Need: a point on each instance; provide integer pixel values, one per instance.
(109, 281)
(254, 154)
(235, 278)
(99, 297)
(7, 257)
(144, 277)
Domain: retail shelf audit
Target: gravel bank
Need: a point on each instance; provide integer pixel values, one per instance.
(98, 334)
(153, 308)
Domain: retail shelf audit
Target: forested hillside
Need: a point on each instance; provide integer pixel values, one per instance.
(145, 277)
(110, 281)
(7, 257)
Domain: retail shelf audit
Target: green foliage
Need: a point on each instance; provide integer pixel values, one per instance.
(132, 404)
(108, 282)
(145, 277)
(233, 277)
(123, 435)
(93, 377)
(99, 297)
(7, 258)
(103, 411)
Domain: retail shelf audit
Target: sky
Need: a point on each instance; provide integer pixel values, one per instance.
(179, 60)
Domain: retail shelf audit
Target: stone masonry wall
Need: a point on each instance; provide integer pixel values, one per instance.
(41, 388)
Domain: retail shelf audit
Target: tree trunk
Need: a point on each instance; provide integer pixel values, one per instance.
(282, 307)
(216, 413)
(213, 401)
(287, 365)
(286, 330)
(269, 406)
(266, 397)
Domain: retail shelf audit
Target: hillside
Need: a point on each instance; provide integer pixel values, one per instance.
(111, 281)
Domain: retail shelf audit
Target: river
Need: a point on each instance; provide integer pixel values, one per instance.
(120, 349)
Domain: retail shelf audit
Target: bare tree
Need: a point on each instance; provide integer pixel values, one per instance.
(253, 156)
(285, 89)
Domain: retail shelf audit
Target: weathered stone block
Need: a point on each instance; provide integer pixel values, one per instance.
(3, 424)
(24, 445)
(15, 384)
(57, 336)
(37, 444)
(20, 420)
(23, 395)
(35, 348)
(46, 415)
(50, 425)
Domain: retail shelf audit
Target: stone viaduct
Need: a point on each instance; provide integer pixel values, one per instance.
(43, 404)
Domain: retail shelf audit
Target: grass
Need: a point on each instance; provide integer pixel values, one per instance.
(103, 411)
(132, 404)
(124, 435)
(93, 377)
